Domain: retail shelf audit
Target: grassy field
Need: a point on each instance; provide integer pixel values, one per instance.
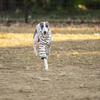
(74, 65)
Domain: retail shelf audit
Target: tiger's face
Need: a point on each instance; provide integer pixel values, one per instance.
(44, 28)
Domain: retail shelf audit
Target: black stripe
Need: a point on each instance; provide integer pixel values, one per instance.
(41, 50)
(43, 54)
(35, 33)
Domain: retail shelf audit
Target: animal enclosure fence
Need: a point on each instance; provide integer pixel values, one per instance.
(51, 10)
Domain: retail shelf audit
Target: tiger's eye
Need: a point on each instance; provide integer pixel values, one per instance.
(47, 26)
(41, 26)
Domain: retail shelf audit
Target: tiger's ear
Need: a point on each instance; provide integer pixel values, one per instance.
(47, 22)
(41, 25)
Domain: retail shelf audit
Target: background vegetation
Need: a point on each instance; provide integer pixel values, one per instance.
(53, 10)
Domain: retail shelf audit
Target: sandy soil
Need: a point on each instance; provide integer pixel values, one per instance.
(74, 71)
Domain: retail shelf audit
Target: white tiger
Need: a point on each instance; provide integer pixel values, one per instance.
(43, 36)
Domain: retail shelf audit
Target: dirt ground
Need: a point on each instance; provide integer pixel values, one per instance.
(74, 65)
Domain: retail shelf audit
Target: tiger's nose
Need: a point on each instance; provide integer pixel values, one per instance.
(44, 32)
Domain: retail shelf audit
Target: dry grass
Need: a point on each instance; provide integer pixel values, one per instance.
(15, 39)
(25, 39)
(66, 37)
